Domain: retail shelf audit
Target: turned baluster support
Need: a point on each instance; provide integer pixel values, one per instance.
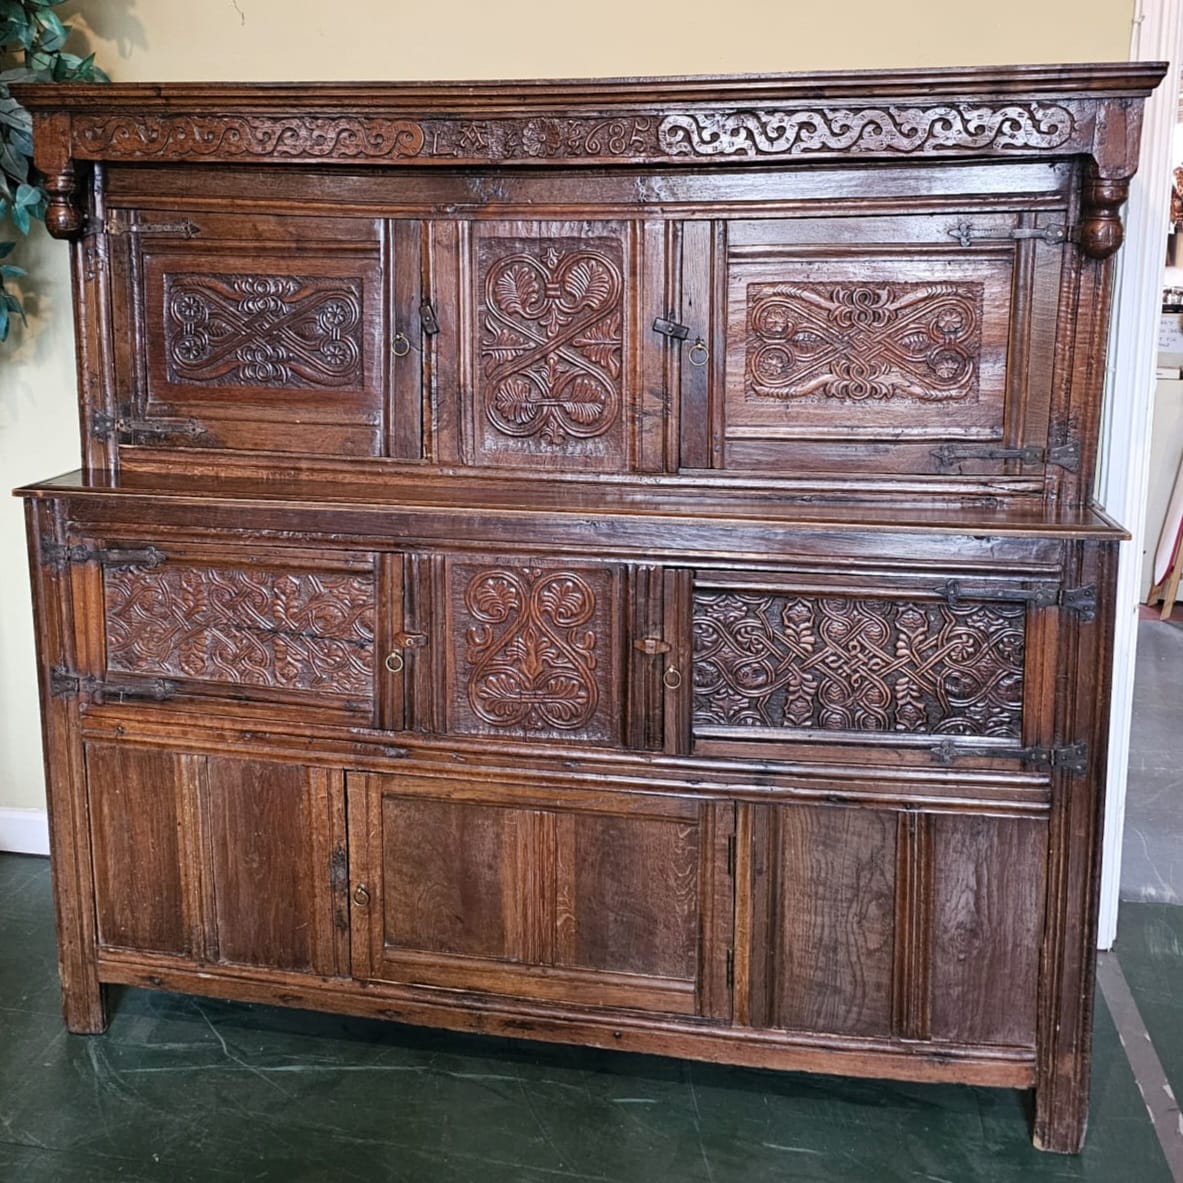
(1101, 230)
(63, 214)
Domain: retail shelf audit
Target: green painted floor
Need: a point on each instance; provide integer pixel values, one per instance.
(185, 1089)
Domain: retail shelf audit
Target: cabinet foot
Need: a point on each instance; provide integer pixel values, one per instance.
(1060, 1121)
(85, 1009)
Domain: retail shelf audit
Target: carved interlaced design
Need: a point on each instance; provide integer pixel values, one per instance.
(906, 341)
(550, 347)
(839, 664)
(532, 656)
(854, 130)
(263, 331)
(288, 630)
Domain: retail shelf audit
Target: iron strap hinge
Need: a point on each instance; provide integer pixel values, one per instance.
(185, 229)
(64, 684)
(1072, 757)
(1065, 456)
(1039, 595)
(103, 426)
(61, 554)
(967, 233)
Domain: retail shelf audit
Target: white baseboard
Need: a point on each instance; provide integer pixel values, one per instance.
(24, 831)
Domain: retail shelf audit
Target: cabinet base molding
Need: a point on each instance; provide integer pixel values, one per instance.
(781, 1051)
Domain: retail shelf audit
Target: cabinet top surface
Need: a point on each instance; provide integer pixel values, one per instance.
(1099, 79)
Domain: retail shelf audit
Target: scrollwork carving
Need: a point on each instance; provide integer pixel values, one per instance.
(259, 330)
(290, 630)
(877, 341)
(833, 663)
(856, 130)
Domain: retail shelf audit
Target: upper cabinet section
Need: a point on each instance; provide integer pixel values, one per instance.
(858, 287)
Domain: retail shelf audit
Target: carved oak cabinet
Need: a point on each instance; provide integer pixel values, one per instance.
(602, 561)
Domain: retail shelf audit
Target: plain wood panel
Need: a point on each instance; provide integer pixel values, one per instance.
(267, 884)
(834, 909)
(632, 892)
(135, 815)
(988, 891)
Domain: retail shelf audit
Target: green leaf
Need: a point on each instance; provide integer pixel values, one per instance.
(8, 271)
(14, 163)
(27, 194)
(3, 323)
(6, 249)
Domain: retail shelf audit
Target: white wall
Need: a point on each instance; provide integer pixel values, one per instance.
(140, 40)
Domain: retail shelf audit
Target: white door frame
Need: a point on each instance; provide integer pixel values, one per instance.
(1124, 462)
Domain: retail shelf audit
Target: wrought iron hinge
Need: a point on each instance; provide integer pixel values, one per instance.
(731, 855)
(103, 426)
(1040, 595)
(651, 646)
(1072, 757)
(671, 329)
(730, 968)
(1066, 456)
(64, 684)
(967, 233)
(60, 554)
(339, 868)
(185, 229)
(428, 319)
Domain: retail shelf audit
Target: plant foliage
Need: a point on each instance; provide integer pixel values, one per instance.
(32, 40)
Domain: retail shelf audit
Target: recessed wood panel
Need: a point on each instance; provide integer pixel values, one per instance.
(988, 889)
(831, 895)
(534, 650)
(552, 345)
(268, 884)
(137, 818)
(840, 664)
(243, 625)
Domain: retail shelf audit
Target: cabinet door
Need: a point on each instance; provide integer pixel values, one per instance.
(218, 859)
(881, 923)
(230, 622)
(917, 345)
(542, 360)
(251, 332)
(543, 892)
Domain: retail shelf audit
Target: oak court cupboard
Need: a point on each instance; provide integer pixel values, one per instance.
(608, 562)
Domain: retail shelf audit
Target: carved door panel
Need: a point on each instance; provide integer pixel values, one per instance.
(540, 358)
(550, 892)
(528, 647)
(897, 924)
(218, 859)
(880, 345)
(938, 669)
(241, 331)
(243, 625)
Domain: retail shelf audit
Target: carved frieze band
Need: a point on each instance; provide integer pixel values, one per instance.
(551, 349)
(885, 129)
(258, 330)
(531, 646)
(286, 630)
(902, 341)
(767, 660)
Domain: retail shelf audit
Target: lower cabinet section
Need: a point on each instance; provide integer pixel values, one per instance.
(567, 896)
(218, 859)
(880, 923)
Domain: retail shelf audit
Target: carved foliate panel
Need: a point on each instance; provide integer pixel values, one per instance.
(288, 630)
(259, 330)
(534, 651)
(550, 350)
(839, 664)
(871, 341)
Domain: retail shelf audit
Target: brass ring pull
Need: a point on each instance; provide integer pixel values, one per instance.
(699, 353)
(361, 896)
(672, 678)
(400, 346)
(394, 662)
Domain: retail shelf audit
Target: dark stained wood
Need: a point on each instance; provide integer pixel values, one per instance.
(593, 561)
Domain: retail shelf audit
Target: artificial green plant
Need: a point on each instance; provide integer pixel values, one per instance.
(32, 37)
